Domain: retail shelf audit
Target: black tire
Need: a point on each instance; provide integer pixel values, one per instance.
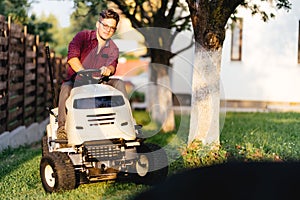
(57, 172)
(45, 147)
(152, 165)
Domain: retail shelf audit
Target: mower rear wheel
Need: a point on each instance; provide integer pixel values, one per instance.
(152, 164)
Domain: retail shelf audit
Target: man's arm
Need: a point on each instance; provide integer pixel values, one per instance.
(75, 64)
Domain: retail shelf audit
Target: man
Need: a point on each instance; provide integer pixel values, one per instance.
(91, 49)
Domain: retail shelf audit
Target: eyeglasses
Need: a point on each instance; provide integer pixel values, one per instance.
(107, 27)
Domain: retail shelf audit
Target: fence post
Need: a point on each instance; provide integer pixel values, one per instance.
(29, 78)
(15, 76)
(3, 72)
(42, 82)
(8, 72)
(24, 73)
(36, 78)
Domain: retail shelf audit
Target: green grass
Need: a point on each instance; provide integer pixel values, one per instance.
(245, 136)
(20, 179)
(272, 133)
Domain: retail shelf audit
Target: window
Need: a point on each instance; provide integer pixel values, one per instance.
(236, 39)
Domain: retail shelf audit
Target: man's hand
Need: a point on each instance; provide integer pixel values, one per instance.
(105, 71)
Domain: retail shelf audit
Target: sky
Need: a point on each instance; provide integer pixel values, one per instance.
(62, 9)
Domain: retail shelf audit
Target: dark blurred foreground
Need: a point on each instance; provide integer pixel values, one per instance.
(232, 181)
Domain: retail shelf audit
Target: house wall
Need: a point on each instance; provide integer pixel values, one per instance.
(182, 64)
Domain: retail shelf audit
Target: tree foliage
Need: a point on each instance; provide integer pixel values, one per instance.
(169, 15)
(163, 14)
(17, 9)
(255, 8)
(37, 27)
(86, 14)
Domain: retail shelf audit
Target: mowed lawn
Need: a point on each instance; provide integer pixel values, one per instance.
(244, 136)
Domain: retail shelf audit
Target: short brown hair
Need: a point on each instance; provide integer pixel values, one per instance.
(109, 14)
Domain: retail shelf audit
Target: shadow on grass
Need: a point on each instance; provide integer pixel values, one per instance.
(235, 181)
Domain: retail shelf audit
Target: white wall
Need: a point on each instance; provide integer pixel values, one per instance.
(182, 69)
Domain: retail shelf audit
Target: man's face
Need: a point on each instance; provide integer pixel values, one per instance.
(106, 28)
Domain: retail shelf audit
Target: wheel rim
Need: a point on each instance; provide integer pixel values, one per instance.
(49, 176)
(142, 165)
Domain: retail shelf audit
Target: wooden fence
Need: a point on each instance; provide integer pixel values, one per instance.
(25, 87)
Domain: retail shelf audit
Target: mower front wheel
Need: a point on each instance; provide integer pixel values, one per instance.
(57, 172)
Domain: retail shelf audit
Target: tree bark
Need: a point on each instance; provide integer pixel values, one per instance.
(205, 108)
(160, 94)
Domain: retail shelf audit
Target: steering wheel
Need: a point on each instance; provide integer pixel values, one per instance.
(89, 76)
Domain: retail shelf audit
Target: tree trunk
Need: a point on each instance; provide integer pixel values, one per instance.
(160, 98)
(209, 19)
(160, 93)
(204, 121)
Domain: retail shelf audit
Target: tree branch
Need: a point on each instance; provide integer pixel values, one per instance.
(183, 49)
(124, 7)
(172, 11)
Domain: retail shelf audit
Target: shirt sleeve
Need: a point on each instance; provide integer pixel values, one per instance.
(74, 49)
